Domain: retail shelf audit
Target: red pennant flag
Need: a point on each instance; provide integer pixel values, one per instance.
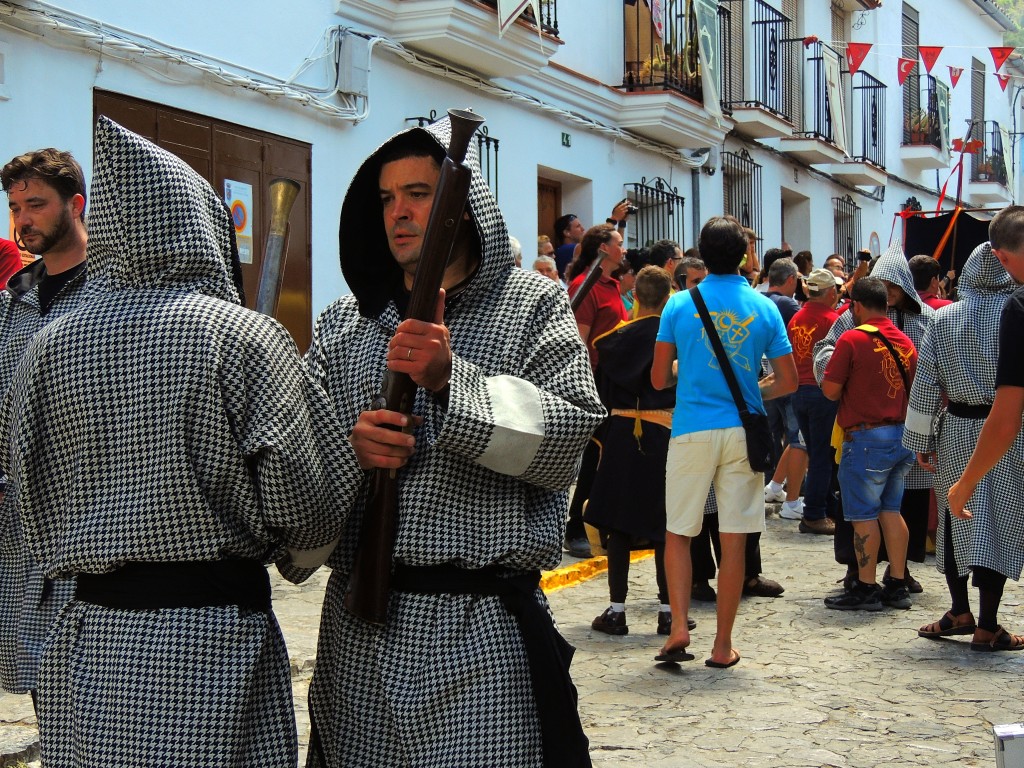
(954, 74)
(929, 54)
(1000, 54)
(906, 66)
(969, 148)
(855, 53)
(1003, 80)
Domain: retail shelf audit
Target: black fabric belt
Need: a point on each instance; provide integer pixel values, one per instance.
(965, 411)
(548, 654)
(201, 584)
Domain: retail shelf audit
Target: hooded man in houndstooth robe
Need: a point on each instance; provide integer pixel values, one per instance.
(507, 402)
(167, 443)
(958, 359)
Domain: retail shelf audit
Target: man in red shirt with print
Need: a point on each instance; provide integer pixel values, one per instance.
(814, 412)
(870, 374)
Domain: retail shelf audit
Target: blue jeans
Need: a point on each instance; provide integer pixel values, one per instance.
(872, 471)
(815, 414)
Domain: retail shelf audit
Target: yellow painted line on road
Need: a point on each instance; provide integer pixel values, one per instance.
(584, 570)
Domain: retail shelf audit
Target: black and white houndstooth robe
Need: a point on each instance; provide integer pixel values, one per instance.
(28, 601)
(163, 422)
(892, 266)
(958, 358)
(445, 682)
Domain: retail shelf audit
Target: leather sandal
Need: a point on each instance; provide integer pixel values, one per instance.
(1001, 641)
(949, 625)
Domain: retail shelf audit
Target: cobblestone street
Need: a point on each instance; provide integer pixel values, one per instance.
(814, 688)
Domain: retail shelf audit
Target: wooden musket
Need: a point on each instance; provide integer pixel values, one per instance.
(593, 275)
(370, 580)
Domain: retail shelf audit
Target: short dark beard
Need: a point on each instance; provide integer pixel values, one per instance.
(60, 231)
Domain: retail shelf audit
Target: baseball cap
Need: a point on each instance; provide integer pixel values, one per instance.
(820, 280)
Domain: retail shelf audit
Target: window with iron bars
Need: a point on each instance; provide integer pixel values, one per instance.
(660, 214)
(487, 150)
(846, 214)
(741, 188)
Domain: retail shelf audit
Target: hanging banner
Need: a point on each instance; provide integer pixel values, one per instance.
(855, 54)
(1003, 79)
(657, 18)
(906, 66)
(1000, 54)
(510, 10)
(1004, 134)
(707, 49)
(942, 103)
(929, 54)
(954, 74)
(835, 97)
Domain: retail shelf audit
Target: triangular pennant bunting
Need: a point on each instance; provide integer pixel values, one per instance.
(954, 74)
(1003, 79)
(510, 10)
(929, 54)
(855, 53)
(906, 66)
(1000, 54)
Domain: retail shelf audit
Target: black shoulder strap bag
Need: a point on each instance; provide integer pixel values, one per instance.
(755, 425)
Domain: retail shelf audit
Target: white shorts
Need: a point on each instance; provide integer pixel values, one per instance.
(713, 456)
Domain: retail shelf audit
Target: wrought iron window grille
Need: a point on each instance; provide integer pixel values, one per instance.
(988, 162)
(741, 188)
(548, 15)
(846, 215)
(660, 214)
(486, 145)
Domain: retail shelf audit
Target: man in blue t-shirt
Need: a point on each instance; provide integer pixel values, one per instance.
(708, 441)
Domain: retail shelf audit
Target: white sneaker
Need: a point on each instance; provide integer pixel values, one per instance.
(792, 510)
(774, 497)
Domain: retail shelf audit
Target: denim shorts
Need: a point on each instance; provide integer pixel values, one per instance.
(872, 471)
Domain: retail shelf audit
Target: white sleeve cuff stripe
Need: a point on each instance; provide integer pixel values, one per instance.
(518, 425)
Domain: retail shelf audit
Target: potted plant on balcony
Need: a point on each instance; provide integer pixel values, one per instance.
(652, 71)
(920, 124)
(984, 168)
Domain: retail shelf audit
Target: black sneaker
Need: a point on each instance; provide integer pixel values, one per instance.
(611, 622)
(862, 597)
(665, 623)
(895, 594)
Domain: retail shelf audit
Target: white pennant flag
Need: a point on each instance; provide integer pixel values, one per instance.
(510, 10)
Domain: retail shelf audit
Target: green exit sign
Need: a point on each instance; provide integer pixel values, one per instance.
(566, 140)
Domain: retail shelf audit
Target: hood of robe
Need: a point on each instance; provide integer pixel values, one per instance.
(154, 222)
(982, 273)
(366, 261)
(893, 267)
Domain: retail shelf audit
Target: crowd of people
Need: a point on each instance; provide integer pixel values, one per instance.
(163, 446)
(833, 359)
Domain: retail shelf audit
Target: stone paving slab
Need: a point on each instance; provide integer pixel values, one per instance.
(815, 687)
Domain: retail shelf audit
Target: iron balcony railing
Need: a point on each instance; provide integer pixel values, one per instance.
(819, 122)
(548, 15)
(770, 33)
(663, 55)
(988, 163)
(921, 123)
(868, 120)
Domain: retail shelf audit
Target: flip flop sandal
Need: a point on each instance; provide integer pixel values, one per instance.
(680, 654)
(948, 626)
(1001, 641)
(719, 665)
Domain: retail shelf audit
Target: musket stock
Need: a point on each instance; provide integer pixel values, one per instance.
(593, 275)
(370, 581)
